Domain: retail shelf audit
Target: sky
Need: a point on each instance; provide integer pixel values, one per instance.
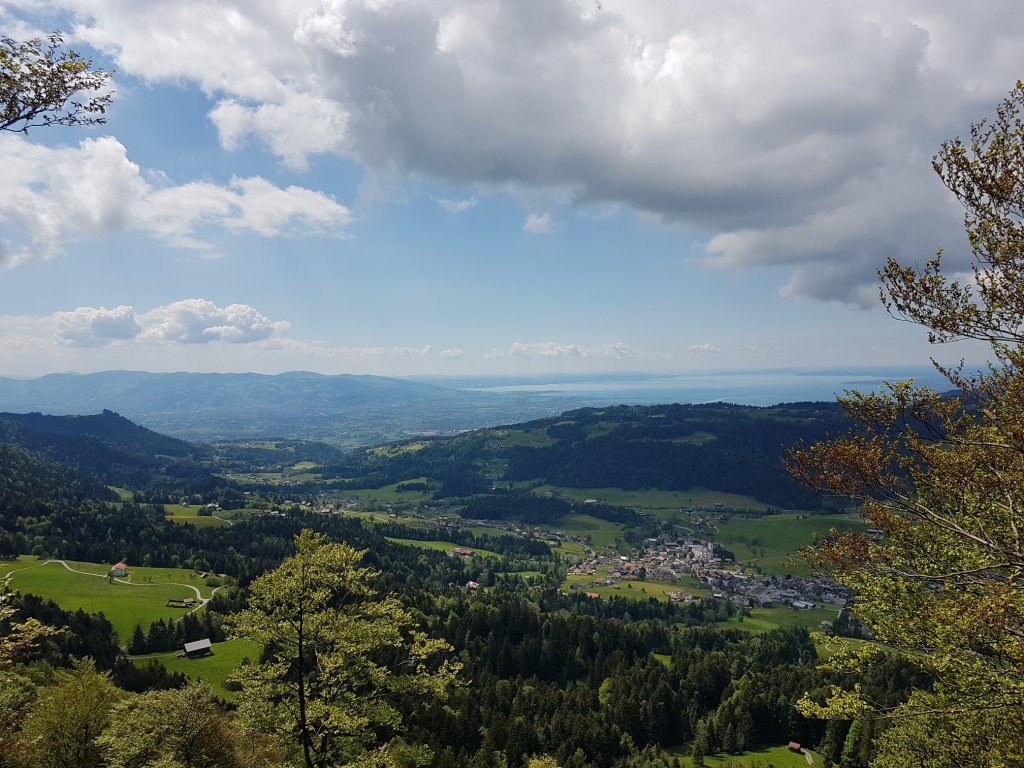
(409, 187)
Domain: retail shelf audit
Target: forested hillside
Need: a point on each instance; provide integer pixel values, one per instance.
(113, 451)
(673, 447)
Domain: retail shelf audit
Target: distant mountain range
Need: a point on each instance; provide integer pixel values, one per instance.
(347, 409)
(350, 410)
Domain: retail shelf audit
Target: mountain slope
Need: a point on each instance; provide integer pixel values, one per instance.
(110, 448)
(723, 447)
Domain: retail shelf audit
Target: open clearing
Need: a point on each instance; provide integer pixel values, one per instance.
(139, 601)
(601, 532)
(780, 757)
(389, 494)
(440, 546)
(660, 502)
(182, 513)
(766, 619)
(774, 541)
(214, 669)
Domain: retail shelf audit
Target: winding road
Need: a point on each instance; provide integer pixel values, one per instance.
(199, 596)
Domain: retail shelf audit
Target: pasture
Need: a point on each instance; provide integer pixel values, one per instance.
(779, 757)
(601, 532)
(389, 494)
(774, 541)
(766, 619)
(440, 546)
(214, 669)
(662, 503)
(140, 601)
(189, 513)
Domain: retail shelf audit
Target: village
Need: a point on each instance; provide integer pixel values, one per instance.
(667, 558)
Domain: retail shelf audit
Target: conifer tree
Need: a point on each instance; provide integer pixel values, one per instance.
(340, 659)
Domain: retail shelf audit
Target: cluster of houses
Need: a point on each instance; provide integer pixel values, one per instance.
(766, 591)
(667, 558)
(663, 559)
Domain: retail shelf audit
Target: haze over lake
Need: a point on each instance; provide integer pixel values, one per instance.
(753, 387)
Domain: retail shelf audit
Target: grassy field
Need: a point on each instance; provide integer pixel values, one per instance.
(779, 757)
(601, 532)
(661, 503)
(141, 601)
(389, 494)
(214, 669)
(123, 494)
(773, 542)
(570, 549)
(440, 546)
(765, 619)
(189, 513)
(521, 438)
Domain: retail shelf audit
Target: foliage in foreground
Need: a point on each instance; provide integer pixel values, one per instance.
(340, 659)
(943, 479)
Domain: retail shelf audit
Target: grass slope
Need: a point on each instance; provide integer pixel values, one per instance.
(214, 669)
(141, 601)
(779, 757)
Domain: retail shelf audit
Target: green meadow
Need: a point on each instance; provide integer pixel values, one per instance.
(214, 669)
(389, 494)
(440, 546)
(140, 601)
(601, 532)
(779, 757)
(189, 513)
(662, 503)
(766, 619)
(774, 541)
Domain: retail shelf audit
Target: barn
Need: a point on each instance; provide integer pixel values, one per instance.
(198, 648)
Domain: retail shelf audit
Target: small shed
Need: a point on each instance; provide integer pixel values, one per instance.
(793, 746)
(198, 648)
(119, 569)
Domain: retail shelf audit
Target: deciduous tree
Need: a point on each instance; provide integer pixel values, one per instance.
(942, 477)
(44, 83)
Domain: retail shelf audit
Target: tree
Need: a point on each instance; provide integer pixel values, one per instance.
(341, 661)
(185, 728)
(942, 477)
(19, 639)
(39, 83)
(67, 718)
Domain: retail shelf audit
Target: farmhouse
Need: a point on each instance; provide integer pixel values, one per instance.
(119, 569)
(198, 648)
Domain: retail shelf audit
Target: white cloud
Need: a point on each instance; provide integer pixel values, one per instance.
(96, 326)
(792, 133)
(703, 348)
(452, 354)
(456, 207)
(537, 224)
(301, 126)
(545, 349)
(552, 349)
(54, 195)
(199, 321)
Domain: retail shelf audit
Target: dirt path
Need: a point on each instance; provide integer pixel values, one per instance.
(808, 756)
